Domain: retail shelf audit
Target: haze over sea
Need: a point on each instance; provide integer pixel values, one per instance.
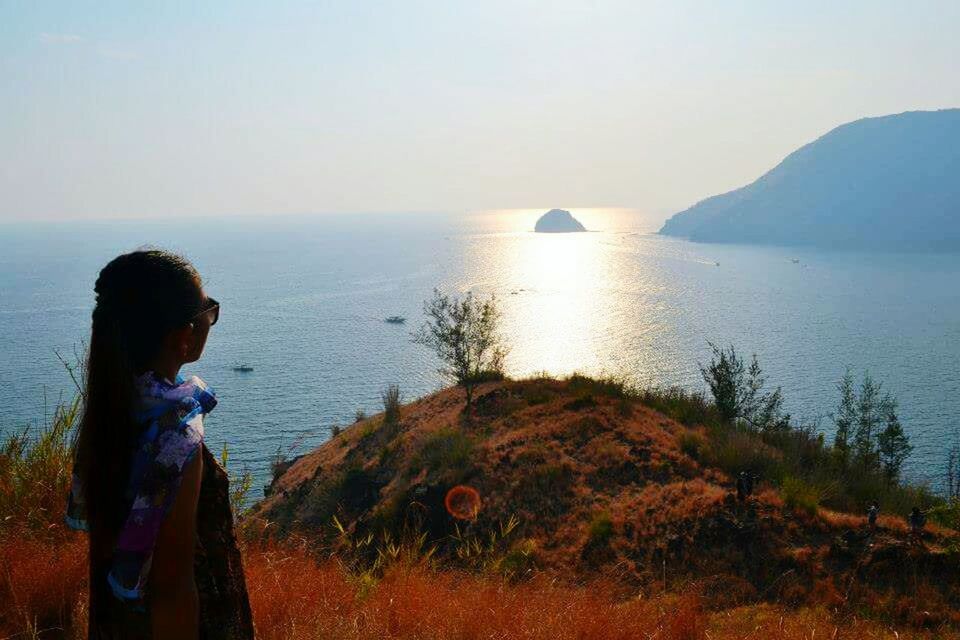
(304, 301)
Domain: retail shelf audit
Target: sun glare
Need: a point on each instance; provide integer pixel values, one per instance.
(552, 288)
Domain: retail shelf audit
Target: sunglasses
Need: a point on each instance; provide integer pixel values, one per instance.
(212, 308)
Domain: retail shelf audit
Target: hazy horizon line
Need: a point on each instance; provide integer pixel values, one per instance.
(315, 214)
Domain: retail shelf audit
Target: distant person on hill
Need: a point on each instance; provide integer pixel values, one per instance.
(744, 486)
(873, 511)
(164, 562)
(917, 520)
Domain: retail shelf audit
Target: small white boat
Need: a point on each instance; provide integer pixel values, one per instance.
(243, 367)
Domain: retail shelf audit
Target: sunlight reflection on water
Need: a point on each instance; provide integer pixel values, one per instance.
(565, 296)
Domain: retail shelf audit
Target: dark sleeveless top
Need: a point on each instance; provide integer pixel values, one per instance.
(218, 571)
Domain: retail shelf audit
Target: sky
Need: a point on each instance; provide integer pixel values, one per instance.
(117, 109)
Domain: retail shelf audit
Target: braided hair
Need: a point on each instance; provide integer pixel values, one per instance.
(141, 297)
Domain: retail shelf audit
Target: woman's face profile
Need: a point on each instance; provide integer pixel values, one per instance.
(196, 337)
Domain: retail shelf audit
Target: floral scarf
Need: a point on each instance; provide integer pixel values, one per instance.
(171, 415)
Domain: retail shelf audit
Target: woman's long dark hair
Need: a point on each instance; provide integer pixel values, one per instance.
(141, 297)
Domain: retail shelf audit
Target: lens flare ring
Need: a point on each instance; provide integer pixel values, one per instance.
(462, 502)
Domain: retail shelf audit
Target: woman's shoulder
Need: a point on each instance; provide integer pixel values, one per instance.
(172, 414)
(183, 398)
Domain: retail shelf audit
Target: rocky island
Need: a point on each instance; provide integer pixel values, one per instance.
(558, 221)
(891, 182)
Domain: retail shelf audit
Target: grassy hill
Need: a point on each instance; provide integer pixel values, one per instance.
(582, 479)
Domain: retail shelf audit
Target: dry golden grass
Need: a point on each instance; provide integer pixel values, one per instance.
(293, 597)
(42, 583)
(412, 602)
(765, 622)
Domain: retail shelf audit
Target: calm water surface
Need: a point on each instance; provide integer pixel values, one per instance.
(304, 301)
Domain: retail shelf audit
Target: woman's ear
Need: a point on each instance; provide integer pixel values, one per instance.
(181, 340)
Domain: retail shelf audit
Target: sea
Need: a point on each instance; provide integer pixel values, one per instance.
(304, 301)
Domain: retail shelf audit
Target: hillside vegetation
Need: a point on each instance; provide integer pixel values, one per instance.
(587, 480)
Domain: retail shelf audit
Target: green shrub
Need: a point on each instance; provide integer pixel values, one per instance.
(600, 529)
(735, 451)
(391, 405)
(389, 514)
(486, 375)
(368, 430)
(947, 514)
(586, 428)
(534, 454)
(538, 392)
(447, 451)
(857, 486)
(546, 489)
(35, 472)
(609, 386)
(801, 496)
(320, 503)
(687, 408)
(386, 454)
(240, 484)
(665, 467)
(278, 463)
(691, 443)
(550, 476)
(520, 559)
(583, 401)
(345, 493)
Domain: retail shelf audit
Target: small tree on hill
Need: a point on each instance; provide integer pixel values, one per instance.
(953, 473)
(846, 415)
(465, 334)
(871, 413)
(738, 390)
(893, 446)
(869, 432)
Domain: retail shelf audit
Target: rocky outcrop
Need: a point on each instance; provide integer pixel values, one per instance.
(558, 221)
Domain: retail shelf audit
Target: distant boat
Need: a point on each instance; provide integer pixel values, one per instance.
(244, 367)
(395, 320)
(796, 261)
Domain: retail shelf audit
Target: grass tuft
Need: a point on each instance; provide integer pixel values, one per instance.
(600, 529)
(801, 496)
(35, 473)
(447, 452)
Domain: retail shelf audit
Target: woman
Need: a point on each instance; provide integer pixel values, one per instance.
(164, 561)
